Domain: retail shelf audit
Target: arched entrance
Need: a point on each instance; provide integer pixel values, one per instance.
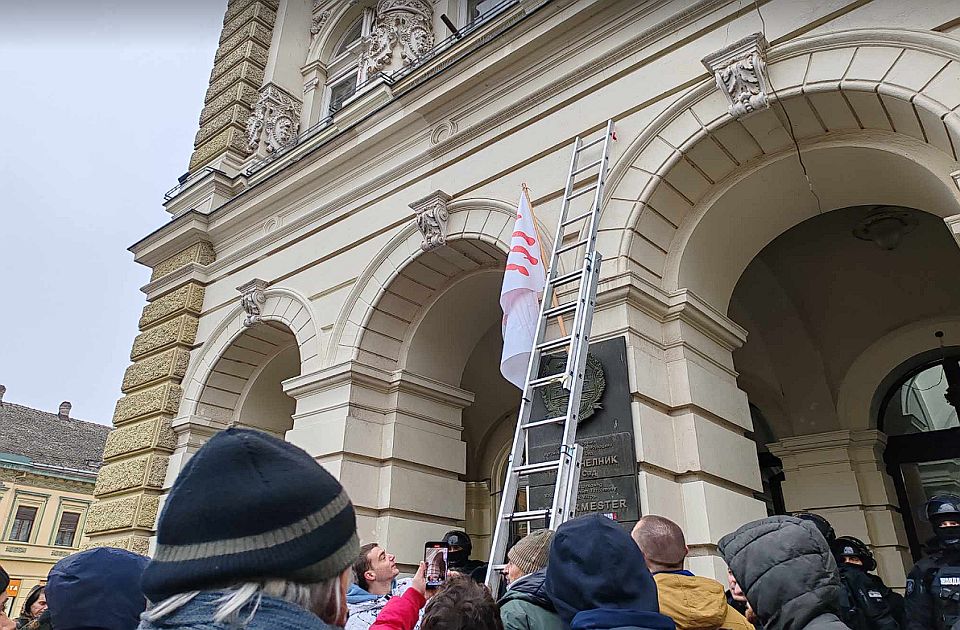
(416, 355)
(719, 208)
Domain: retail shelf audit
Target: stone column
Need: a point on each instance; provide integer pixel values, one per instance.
(840, 474)
(128, 487)
(238, 74)
(393, 440)
(696, 466)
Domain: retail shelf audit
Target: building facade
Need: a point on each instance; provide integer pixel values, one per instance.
(48, 468)
(779, 229)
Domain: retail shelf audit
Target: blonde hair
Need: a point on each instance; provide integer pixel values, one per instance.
(324, 599)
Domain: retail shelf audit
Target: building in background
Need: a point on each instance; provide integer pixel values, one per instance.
(778, 296)
(48, 467)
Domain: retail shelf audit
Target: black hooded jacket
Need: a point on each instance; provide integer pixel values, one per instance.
(787, 572)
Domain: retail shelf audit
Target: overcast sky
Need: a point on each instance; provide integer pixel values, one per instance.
(99, 106)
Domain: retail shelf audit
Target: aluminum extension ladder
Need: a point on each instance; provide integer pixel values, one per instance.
(575, 345)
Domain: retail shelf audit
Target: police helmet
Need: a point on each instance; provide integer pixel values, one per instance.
(458, 538)
(850, 547)
(823, 525)
(943, 507)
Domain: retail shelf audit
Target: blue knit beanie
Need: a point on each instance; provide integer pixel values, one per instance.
(249, 507)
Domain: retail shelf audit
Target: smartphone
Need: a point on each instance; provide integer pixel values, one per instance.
(435, 556)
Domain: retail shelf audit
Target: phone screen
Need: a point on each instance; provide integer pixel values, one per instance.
(435, 556)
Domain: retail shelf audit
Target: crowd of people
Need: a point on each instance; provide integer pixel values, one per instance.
(256, 535)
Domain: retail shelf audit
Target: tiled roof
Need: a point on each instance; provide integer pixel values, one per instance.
(49, 440)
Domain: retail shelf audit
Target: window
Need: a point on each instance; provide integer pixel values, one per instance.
(343, 69)
(23, 523)
(339, 92)
(475, 9)
(67, 532)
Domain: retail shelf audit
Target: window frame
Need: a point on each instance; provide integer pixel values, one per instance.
(70, 504)
(16, 529)
(60, 530)
(23, 498)
(341, 66)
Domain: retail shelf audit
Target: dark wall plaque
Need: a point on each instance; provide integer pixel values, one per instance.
(608, 481)
(614, 496)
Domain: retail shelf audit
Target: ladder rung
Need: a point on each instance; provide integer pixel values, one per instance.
(567, 248)
(560, 310)
(530, 515)
(587, 167)
(540, 423)
(582, 191)
(593, 143)
(547, 380)
(529, 469)
(567, 277)
(579, 217)
(547, 346)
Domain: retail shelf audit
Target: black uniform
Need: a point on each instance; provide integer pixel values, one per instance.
(933, 585)
(872, 605)
(866, 603)
(460, 560)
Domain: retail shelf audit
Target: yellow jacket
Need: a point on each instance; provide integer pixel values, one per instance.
(697, 603)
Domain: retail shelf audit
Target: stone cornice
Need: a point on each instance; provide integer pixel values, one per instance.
(172, 238)
(684, 305)
(355, 372)
(297, 159)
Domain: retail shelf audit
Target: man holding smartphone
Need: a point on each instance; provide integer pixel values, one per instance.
(375, 573)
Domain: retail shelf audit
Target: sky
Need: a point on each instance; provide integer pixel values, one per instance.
(98, 110)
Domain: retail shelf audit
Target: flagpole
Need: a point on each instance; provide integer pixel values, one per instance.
(536, 227)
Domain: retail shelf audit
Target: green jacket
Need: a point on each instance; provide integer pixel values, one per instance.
(525, 606)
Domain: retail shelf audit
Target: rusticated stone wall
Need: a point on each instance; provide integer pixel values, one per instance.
(235, 81)
(135, 458)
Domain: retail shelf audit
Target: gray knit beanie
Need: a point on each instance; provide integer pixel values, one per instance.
(531, 552)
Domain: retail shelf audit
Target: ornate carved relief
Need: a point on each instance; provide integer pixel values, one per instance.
(252, 299)
(275, 119)
(319, 18)
(432, 218)
(404, 22)
(740, 72)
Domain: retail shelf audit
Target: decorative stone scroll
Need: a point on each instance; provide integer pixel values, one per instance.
(404, 22)
(740, 70)
(252, 299)
(320, 18)
(275, 120)
(432, 218)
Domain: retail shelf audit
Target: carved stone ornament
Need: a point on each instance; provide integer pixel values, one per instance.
(275, 119)
(404, 22)
(556, 399)
(740, 71)
(252, 298)
(432, 218)
(319, 18)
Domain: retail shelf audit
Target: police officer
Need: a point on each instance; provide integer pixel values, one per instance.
(458, 556)
(822, 525)
(933, 586)
(869, 603)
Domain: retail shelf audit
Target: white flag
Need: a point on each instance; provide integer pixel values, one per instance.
(523, 282)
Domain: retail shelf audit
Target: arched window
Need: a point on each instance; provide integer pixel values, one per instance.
(919, 403)
(919, 415)
(343, 70)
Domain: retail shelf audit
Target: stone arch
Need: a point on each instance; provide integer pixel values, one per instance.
(860, 391)
(340, 18)
(286, 312)
(885, 89)
(478, 229)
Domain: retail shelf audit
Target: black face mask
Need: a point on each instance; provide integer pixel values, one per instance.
(457, 558)
(948, 536)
